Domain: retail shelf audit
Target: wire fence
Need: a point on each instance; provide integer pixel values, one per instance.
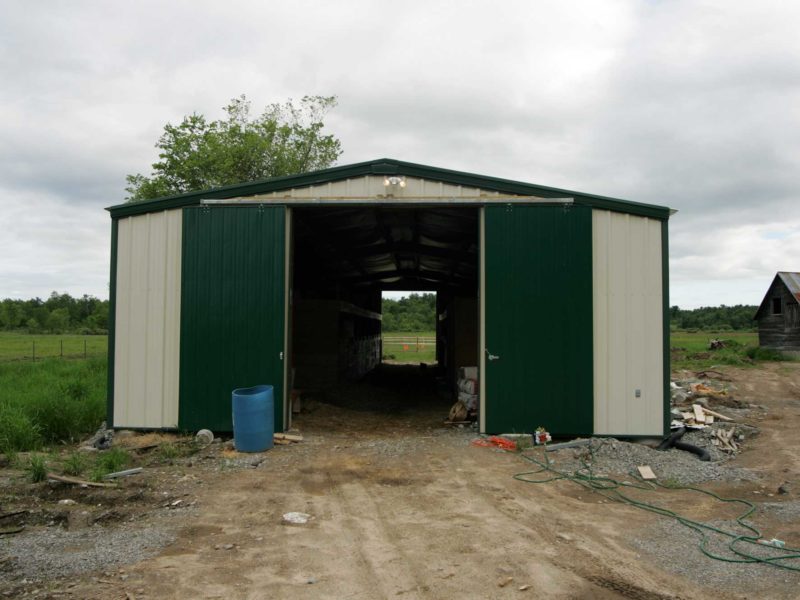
(408, 343)
(40, 347)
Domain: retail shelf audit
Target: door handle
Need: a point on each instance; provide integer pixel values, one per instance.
(281, 355)
(491, 356)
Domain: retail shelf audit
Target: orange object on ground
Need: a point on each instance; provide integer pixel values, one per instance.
(494, 441)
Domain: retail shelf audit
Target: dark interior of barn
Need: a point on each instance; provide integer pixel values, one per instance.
(343, 258)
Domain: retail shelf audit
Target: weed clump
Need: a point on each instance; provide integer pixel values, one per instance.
(75, 464)
(36, 468)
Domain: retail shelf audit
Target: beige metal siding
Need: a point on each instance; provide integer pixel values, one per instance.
(147, 320)
(372, 186)
(628, 324)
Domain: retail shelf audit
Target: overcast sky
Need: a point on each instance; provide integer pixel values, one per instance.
(690, 104)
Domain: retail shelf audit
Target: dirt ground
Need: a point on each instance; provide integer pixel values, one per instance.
(401, 507)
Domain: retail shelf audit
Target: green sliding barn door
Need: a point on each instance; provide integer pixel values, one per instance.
(232, 310)
(538, 318)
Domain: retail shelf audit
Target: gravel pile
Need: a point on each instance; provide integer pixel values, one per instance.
(54, 552)
(615, 457)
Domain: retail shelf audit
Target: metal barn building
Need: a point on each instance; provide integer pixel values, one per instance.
(560, 298)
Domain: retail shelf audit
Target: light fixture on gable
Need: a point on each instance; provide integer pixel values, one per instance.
(394, 181)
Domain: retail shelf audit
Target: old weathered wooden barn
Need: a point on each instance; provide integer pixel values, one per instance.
(559, 297)
(778, 315)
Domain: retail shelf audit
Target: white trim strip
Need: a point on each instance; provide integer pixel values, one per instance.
(482, 317)
(378, 201)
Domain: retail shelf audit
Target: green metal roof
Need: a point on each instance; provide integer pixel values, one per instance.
(387, 166)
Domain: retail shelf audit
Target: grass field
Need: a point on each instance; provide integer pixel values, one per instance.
(50, 401)
(56, 400)
(409, 349)
(20, 346)
(690, 350)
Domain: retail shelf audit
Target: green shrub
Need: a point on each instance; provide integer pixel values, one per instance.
(36, 468)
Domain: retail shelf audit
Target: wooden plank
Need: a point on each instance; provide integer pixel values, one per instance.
(709, 419)
(699, 415)
(76, 481)
(646, 472)
(716, 414)
(291, 437)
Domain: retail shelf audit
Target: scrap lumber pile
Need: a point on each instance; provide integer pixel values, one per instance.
(690, 408)
(700, 415)
(724, 439)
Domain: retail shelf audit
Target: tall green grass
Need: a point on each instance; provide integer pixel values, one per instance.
(50, 402)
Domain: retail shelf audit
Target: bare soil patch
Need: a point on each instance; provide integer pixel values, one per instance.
(401, 506)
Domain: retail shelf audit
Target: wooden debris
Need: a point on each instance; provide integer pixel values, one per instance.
(11, 530)
(699, 415)
(701, 389)
(290, 437)
(124, 473)
(76, 481)
(725, 439)
(709, 419)
(646, 472)
(458, 412)
(716, 414)
(281, 442)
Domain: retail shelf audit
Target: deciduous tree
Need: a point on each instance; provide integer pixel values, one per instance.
(198, 154)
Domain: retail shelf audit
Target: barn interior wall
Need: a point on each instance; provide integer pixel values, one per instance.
(628, 324)
(147, 320)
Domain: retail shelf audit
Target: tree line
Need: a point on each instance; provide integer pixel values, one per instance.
(416, 312)
(60, 313)
(714, 318)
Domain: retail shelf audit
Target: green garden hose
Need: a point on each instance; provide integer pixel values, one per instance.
(612, 489)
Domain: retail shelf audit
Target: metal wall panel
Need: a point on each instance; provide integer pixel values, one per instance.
(372, 186)
(628, 324)
(232, 310)
(538, 319)
(147, 320)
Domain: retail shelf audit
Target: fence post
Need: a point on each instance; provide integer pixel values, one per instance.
(84, 347)
(417, 343)
(62, 347)
(34, 350)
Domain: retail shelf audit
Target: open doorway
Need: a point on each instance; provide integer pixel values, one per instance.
(345, 260)
(408, 327)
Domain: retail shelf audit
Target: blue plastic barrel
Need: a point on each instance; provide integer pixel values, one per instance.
(253, 418)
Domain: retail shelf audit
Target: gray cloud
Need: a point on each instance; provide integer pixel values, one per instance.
(691, 104)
